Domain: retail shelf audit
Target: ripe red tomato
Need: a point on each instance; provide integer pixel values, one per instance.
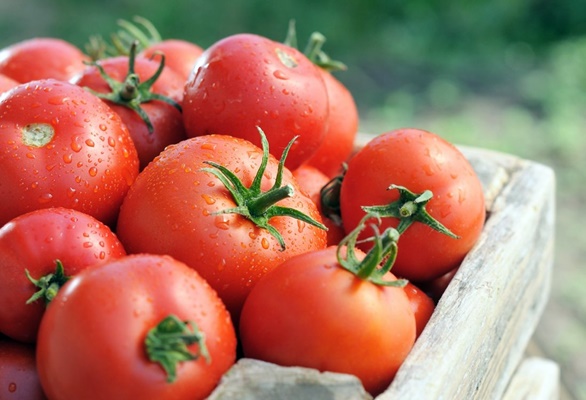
(341, 130)
(6, 83)
(18, 371)
(41, 58)
(419, 161)
(311, 312)
(34, 242)
(95, 340)
(312, 181)
(177, 208)
(62, 147)
(244, 81)
(180, 55)
(133, 89)
(422, 305)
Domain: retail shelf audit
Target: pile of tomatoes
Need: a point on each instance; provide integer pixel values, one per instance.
(168, 209)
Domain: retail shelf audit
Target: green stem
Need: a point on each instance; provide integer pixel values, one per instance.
(167, 344)
(262, 203)
(48, 285)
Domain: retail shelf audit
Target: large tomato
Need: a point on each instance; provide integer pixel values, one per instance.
(177, 207)
(444, 186)
(180, 55)
(96, 340)
(62, 147)
(315, 311)
(135, 85)
(41, 58)
(18, 372)
(35, 243)
(244, 81)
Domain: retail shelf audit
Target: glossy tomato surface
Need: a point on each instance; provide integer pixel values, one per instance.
(92, 338)
(247, 81)
(41, 58)
(180, 55)
(418, 160)
(175, 207)
(18, 372)
(62, 147)
(34, 242)
(311, 312)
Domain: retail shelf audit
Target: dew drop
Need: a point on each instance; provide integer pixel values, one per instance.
(45, 198)
(208, 146)
(208, 199)
(67, 158)
(75, 147)
(87, 245)
(264, 243)
(90, 143)
(280, 75)
(221, 222)
(103, 127)
(111, 141)
(93, 171)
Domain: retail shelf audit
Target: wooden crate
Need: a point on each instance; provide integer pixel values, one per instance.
(476, 339)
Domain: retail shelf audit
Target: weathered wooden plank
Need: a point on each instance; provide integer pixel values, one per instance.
(536, 379)
(486, 317)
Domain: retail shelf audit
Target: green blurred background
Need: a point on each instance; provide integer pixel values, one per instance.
(508, 75)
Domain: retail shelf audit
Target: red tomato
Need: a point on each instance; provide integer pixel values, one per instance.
(244, 81)
(41, 58)
(6, 83)
(92, 343)
(33, 242)
(422, 305)
(180, 55)
(311, 312)
(435, 288)
(312, 180)
(62, 147)
(166, 121)
(419, 161)
(341, 131)
(18, 372)
(176, 208)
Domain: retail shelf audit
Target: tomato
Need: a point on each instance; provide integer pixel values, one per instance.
(426, 165)
(177, 207)
(18, 372)
(180, 55)
(129, 89)
(312, 181)
(244, 81)
(41, 58)
(62, 147)
(33, 243)
(422, 305)
(435, 288)
(139, 327)
(6, 83)
(312, 312)
(341, 131)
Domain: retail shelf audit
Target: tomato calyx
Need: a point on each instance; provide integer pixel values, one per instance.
(167, 342)
(48, 285)
(313, 50)
(371, 267)
(256, 205)
(409, 208)
(132, 92)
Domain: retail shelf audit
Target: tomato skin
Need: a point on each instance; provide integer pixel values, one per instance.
(166, 119)
(418, 160)
(87, 165)
(18, 372)
(341, 131)
(33, 241)
(312, 180)
(91, 339)
(6, 83)
(180, 55)
(422, 305)
(311, 312)
(169, 210)
(41, 58)
(240, 83)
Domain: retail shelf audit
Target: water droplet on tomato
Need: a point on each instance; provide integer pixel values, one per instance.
(111, 141)
(67, 158)
(208, 199)
(428, 169)
(103, 127)
(208, 146)
(93, 171)
(87, 245)
(221, 265)
(90, 143)
(56, 100)
(12, 387)
(45, 198)
(300, 226)
(75, 147)
(30, 155)
(264, 243)
(222, 222)
(280, 75)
